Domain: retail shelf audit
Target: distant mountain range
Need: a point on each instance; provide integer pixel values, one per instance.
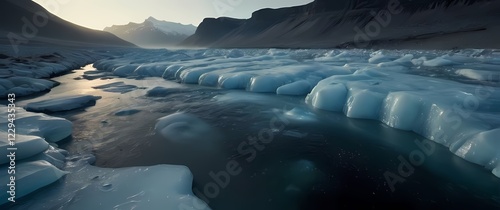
(26, 22)
(389, 24)
(153, 33)
(422, 24)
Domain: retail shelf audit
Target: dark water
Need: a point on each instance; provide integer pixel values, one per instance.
(330, 162)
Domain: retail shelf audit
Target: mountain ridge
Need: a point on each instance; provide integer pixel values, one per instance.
(24, 21)
(153, 33)
(426, 24)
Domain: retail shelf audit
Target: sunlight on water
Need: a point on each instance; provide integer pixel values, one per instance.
(358, 136)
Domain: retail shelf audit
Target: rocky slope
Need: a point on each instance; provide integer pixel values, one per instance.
(426, 24)
(25, 22)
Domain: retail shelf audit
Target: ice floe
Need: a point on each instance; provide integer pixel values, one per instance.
(90, 187)
(30, 176)
(446, 96)
(52, 129)
(117, 87)
(64, 103)
(127, 112)
(23, 86)
(35, 163)
(39, 165)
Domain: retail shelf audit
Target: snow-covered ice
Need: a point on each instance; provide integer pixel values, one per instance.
(85, 186)
(38, 163)
(52, 129)
(30, 176)
(448, 97)
(26, 72)
(445, 111)
(89, 187)
(27, 146)
(63, 103)
(451, 98)
(23, 86)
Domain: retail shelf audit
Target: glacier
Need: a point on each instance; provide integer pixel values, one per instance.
(159, 112)
(448, 97)
(43, 171)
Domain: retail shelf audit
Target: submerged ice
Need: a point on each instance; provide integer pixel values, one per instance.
(187, 129)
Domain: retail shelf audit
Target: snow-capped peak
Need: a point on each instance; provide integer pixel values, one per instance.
(170, 27)
(151, 19)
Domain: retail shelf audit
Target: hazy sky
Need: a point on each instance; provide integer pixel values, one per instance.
(98, 14)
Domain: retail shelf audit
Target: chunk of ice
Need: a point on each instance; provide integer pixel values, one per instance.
(30, 176)
(64, 103)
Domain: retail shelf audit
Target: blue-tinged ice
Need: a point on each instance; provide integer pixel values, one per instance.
(63, 103)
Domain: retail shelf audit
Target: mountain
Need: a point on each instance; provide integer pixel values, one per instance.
(423, 24)
(24, 21)
(153, 33)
